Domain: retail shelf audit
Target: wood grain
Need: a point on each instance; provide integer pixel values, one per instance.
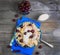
(7, 26)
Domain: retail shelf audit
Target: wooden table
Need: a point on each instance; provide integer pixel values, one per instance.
(7, 26)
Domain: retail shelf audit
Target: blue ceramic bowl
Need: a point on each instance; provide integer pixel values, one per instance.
(16, 47)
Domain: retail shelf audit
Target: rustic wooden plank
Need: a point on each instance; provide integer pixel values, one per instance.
(11, 3)
(10, 29)
(7, 16)
(58, 1)
(7, 51)
(4, 37)
(48, 27)
(46, 37)
(49, 3)
(0, 50)
(7, 28)
(44, 50)
(45, 27)
(59, 6)
(8, 4)
(5, 5)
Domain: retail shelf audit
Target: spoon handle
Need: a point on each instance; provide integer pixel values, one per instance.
(50, 45)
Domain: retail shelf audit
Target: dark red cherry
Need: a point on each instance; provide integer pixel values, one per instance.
(31, 36)
(29, 24)
(8, 46)
(37, 53)
(25, 46)
(28, 30)
(21, 40)
(17, 30)
(32, 31)
(14, 20)
(16, 15)
(24, 33)
(40, 46)
(19, 35)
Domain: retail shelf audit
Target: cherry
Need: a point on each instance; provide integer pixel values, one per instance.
(28, 31)
(37, 53)
(14, 20)
(17, 30)
(21, 40)
(24, 33)
(32, 31)
(19, 35)
(8, 46)
(24, 7)
(22, 4)
(16, 15)
(31, 36)
(25, 46)
(40, 46)
(29, 24)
